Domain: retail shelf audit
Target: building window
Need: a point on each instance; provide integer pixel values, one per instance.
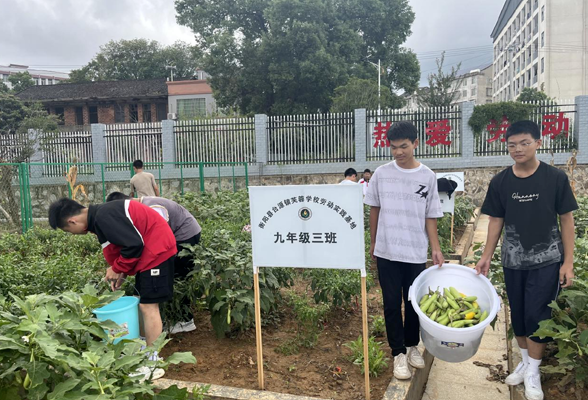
(161, 111)
(465, 93)
(542, 13)
(133, 113)
(147, 112)
(473, 91)
(542, 64)
(473, 80)
(119, 113)
(465, 83)
(79, 115)
(60, 112)
(542, 39)
(488, 91)
(93, 114)
(190, 108)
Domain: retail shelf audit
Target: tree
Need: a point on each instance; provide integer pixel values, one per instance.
(138, 59)
(532, 95)
(363, 93)
(288, 56)
(3, 88)
(22, 129)
(443, 87)
(20, 81)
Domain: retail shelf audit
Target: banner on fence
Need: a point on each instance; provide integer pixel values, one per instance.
(314, 226)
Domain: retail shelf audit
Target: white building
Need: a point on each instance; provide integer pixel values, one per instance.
(41, 77)
(541, 44)
(475, 86)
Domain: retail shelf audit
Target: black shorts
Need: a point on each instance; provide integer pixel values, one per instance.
(529, 294)
(156, 285)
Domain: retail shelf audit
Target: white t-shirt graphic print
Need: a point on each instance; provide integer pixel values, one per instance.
(406, 197)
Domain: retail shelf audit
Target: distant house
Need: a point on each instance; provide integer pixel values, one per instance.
(131, 101)
(191, 98)
(105, 102)
(40, 76)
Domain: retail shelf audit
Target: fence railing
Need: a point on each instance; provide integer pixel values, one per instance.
(25, 194)
(439, 131)
(556, 119)
(67, 145)
(12, 145)
(311, 138)
(126, 142)
(215, 140)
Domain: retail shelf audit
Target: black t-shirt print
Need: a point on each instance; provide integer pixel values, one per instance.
(530, 207)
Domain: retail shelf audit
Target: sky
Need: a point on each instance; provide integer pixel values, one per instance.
(61, 35)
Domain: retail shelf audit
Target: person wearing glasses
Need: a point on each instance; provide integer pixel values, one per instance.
(527, 199)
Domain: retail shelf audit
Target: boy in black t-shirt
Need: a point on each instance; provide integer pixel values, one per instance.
(526, 200)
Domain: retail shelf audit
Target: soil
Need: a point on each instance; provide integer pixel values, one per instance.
(323, 371)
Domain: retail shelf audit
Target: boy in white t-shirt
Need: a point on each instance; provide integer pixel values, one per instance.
(403, 220)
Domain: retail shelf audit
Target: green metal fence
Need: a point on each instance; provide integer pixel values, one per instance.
(27, 189)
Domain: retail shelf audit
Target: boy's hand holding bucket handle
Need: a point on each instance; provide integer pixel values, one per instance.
(437, 256)
(113, 278)
(483, 266)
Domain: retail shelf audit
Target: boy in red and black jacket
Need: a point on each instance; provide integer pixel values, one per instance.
(135, 241)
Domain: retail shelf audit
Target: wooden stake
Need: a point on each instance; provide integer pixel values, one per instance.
(451, 239)
(366, 358)
(259, 344)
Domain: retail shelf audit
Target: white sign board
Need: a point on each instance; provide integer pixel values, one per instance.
(311, 226)
(455, 177)
(447, 204)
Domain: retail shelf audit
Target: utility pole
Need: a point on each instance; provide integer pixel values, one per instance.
(171, 68)
(379, 67)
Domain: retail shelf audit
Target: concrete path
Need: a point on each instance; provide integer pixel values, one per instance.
(466, 380)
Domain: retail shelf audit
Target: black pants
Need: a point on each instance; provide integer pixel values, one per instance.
(183, 266)
(529, 294)
(395, 280)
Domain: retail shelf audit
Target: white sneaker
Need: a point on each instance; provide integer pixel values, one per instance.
(518, 376)
(401, 370)
(183, 327)
(533, 389)
(415, 358)
(147, 373)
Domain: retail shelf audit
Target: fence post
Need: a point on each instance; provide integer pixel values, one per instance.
(98, 149)
(168, 143)
(360, 137)
(467, 134)
(261, 155)
(37, 156)
(581, 128)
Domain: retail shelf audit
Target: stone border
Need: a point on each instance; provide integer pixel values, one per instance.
(414, 388)
(218, 392)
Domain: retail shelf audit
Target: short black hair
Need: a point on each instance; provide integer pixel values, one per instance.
(367, 170)
(402, 130)
(138, 164)
(61, 210)
(521, 127)
(350, 172)
(117, 196)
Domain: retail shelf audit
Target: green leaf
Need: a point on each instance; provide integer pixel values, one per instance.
(172, 393)
(62, 388)
(181, 357)
(584, 337)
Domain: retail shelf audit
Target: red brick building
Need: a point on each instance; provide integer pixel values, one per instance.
(106, 102)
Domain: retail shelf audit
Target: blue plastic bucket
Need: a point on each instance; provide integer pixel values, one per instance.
(125, 312)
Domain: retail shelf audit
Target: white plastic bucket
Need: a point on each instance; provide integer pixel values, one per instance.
(125, 312)
(453, 344)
